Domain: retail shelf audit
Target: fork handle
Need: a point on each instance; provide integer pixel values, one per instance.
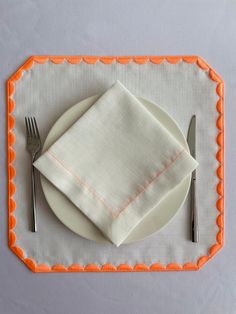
(33, 199)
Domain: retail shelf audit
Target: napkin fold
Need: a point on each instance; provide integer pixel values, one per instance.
(116, 163)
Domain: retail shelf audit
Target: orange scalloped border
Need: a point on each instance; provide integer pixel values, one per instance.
(32, 265)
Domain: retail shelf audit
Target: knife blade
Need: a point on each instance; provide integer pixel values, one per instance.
(191, 139)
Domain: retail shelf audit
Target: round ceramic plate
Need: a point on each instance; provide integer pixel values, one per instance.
(75, 220)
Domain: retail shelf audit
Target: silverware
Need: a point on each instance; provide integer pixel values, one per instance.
(194, 211)
(33, 145)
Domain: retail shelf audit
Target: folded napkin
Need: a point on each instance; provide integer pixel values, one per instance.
(116, 163)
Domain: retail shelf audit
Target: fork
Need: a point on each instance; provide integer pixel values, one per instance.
(33, 146)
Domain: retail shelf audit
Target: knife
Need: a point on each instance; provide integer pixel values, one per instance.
(194, 212)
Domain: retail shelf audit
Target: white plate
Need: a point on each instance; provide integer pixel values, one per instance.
(75, 220)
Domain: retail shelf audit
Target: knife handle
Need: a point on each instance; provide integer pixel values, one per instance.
(194, 214)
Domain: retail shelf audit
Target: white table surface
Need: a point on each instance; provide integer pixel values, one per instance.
(121, 27)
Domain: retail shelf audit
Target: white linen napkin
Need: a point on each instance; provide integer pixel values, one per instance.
(116, 163)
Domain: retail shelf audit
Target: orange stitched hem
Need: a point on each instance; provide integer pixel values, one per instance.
(81, 182)
(11, 154)
(101, 199)
(149, 182)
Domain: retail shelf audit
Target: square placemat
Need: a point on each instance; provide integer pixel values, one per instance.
(46, 86)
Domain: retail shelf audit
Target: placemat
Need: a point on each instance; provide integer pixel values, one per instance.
(46, 86)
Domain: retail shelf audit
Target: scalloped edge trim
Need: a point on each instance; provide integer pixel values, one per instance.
(27, 66)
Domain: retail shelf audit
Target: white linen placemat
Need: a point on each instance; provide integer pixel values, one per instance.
(47, 89)
(116, 163)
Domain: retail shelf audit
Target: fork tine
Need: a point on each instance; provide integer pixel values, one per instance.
(33, 128)
(29, 125)
(26, 126)
(36, 128)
